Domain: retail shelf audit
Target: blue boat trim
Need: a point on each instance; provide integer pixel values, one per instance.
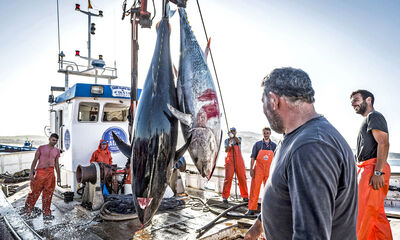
(83, 90)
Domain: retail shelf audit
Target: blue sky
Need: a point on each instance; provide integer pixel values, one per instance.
(342, 45)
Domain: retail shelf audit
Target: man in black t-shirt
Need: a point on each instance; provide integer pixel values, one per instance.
(311, 192)
(374, 171)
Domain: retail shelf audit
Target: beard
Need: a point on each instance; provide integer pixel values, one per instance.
(362, 108)
(274, 120)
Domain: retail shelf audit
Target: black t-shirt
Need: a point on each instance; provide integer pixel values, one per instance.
(312, 189)
(367, 147)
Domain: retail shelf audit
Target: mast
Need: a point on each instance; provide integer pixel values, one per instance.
(96, 67)
(138, 16)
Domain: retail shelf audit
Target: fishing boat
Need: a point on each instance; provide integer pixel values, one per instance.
(26, 147)
(83, 114)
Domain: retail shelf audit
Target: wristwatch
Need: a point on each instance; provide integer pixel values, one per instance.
(378, 173)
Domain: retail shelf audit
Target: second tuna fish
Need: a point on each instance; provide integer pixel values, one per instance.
(199, 111)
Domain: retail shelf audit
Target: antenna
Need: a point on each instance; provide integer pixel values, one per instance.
(96, 67)
(58, 27)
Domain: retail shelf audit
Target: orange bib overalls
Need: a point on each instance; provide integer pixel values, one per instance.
(234, 163)
(45, 181)
(372, 222)
(261, 173)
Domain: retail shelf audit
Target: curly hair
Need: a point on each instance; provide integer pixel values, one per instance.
(289, 82)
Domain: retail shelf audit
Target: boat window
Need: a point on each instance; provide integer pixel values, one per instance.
(115, 112)
(88, 112)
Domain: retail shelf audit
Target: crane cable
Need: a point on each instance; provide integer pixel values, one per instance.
(220, 93)
(215, 71)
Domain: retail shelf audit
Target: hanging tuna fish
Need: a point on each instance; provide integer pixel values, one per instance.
(198, 109)
(155, 131)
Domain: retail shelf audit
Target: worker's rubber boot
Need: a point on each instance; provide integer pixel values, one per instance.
(48, 217)
(250, 213)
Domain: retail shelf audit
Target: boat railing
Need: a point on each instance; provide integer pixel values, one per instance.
(70, 67)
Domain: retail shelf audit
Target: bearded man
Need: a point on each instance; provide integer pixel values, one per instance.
(311, 192)
(374, 172)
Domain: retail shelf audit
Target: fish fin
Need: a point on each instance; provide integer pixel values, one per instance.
(207, 50)
(179, 153)
(168, 116)
(216, 156)
(182, 117)
(125, 148)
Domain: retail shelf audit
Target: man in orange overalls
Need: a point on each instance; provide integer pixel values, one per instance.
(234, 163)
(374, 171)
(42, 177)
(263, 152)
(102, 154)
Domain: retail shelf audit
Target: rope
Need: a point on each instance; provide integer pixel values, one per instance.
(220, 93)
(111, 216)
(215, 71)
(154, 7)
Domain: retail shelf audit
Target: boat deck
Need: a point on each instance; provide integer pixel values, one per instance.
(74, 222)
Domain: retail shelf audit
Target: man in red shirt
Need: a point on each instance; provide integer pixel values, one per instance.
(42, 177)
(102, 154)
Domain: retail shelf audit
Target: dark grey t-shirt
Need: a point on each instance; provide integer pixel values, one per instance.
(312, 189)
(367, 147)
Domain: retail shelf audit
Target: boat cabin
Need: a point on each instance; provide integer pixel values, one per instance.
(82, 116)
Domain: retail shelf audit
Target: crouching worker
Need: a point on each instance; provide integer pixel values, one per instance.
(42, 177)
(102, 154)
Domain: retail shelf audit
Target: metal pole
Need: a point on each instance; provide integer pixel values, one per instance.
(66, 80)
(234, 170)
(134, 68)
(89, 23)
(95, 76)
(134, 57)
